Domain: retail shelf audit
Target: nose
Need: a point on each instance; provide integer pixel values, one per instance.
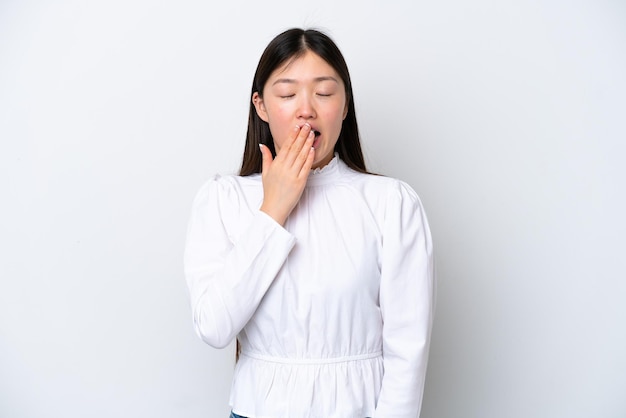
(306, 108)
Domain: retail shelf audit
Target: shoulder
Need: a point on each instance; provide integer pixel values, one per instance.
(225, 188)
(376, 186)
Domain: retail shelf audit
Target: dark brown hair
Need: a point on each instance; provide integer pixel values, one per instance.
(290, 45)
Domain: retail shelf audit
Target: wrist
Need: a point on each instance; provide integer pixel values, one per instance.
(277, 215)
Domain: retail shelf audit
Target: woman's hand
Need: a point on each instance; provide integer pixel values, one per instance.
(284, 177)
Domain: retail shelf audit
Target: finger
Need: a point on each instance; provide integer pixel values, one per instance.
(308, 163)
(303, 155)
(267, 157)
(284, 150)
(296, 148)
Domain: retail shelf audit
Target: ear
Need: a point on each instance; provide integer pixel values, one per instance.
(345, 111)
(257, 101)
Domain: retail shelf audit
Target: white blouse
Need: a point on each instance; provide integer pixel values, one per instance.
(333, 311)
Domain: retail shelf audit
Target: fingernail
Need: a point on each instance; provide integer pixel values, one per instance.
(306, 125)
(261, 147)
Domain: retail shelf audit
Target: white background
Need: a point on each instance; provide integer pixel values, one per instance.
(508, 118)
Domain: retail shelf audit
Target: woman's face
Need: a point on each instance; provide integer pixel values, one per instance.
(305, 90)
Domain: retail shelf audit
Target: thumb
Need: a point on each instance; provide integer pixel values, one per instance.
(267, 157)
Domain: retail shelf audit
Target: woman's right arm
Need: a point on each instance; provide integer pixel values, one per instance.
(228, 276)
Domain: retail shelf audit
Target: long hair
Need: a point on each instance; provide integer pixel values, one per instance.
(291, 45)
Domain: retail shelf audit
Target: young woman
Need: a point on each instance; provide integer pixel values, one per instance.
(322, 272)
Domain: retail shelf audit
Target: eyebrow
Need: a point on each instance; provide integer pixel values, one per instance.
(316, 80)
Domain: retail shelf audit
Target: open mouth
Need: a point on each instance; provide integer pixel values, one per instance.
(316, 141)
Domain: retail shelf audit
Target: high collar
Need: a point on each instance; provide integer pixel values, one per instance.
(326, 174)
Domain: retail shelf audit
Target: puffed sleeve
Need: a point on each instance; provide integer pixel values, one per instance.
(228, 275)
(407, 293)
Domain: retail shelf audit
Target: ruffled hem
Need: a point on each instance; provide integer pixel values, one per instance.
(342, 389)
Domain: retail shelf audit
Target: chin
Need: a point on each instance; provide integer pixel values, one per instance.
(322, 161)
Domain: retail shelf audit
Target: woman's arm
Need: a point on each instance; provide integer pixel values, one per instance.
(228, 276)
(407, 304)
